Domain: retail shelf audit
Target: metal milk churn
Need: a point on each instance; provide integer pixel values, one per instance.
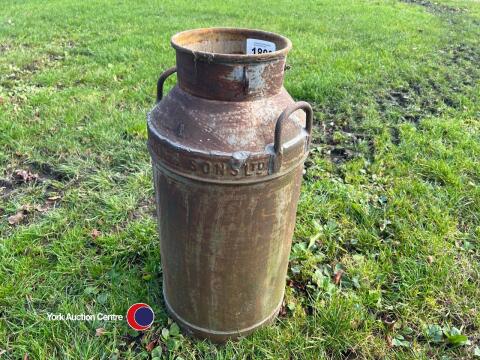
(227, 145)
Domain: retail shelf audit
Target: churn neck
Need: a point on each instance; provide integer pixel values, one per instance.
(230, 64)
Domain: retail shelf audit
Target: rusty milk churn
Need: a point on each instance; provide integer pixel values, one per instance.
(228, 145)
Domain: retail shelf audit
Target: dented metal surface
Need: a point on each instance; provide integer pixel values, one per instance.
(227, 146)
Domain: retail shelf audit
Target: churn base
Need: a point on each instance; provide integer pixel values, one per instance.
(217, 336)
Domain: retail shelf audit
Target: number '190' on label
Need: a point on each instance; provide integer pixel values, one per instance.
(255, 46)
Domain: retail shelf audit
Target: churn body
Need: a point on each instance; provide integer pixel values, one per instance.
(227, 146)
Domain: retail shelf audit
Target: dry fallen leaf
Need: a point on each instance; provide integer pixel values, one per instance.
(26, 208)
(389, 341)
(338, 276)
(41, 208)
(25, 175)
(15, 219)
(26, 357)
(151, 345)
(53, 198)
(95, 233)
(430, 259)
(21, 174)
(283, 309)
(100, 332)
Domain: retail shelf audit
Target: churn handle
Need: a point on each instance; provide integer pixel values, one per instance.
(162, 79)
(278, 144)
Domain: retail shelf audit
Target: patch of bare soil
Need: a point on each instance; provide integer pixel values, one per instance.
(418, 100)
(435, 7)
(33, 174)
(341, 137)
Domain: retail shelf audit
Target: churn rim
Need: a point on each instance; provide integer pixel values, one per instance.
(214, 57)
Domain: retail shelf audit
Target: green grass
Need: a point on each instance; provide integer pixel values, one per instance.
(391, 194)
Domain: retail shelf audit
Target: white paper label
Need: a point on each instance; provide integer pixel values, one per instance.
(255, 46)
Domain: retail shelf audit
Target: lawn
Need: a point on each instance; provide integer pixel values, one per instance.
(385, 262)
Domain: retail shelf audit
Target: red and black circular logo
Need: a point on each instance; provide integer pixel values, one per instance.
(140, 316)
